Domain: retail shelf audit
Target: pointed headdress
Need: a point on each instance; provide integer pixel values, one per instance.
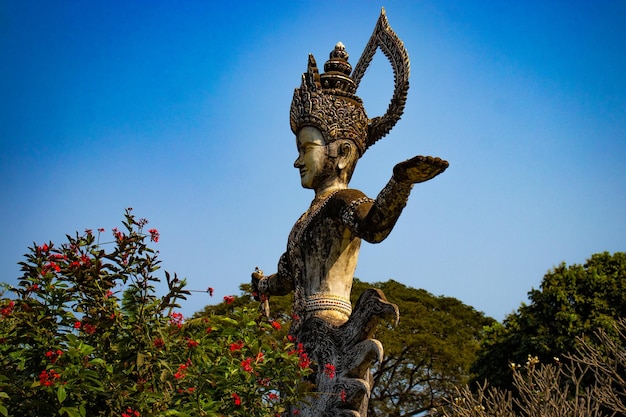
(328, 101)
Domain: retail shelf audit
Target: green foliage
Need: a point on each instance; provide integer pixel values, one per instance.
(426, 355)
(84, 334)
(573, 301)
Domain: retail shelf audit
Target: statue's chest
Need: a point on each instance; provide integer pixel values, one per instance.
(313, 236)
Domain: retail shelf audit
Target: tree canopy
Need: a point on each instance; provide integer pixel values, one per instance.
(426, 355)
(573, 301)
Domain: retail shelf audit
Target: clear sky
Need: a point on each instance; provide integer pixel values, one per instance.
(180, 109)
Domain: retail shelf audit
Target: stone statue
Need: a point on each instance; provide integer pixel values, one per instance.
(332, 132)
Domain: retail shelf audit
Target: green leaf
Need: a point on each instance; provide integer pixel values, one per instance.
(176, 413)
(70, 411)
(61, 394)
(228, 320)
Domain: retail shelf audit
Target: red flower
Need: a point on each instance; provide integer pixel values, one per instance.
(48, 377)
(88, 328)
(43, 248)
(8, 309)
(180, 373)
(77, 325)
(329, 370)
(191, 343)
(236, 399)
(53, 356)
(130, 413)
(117, 234)
(229, 299)
(272, 396)
(209, 330)
(236, 346)
(260, 357)
(158, 343)
(276, 325)
(49, 267)
(246, 364)
(343, 395)
(85, 259)
(305, 361)
(154, 235)
(176, 319)
(299, 349)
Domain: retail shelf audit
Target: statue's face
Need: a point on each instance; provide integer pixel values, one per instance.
(312, 158)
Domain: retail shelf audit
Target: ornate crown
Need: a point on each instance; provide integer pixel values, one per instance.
(328, 101)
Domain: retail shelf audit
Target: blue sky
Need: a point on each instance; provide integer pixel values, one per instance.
(180, 110)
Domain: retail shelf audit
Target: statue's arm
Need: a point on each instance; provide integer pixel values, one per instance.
(373, 220)
(280, 283)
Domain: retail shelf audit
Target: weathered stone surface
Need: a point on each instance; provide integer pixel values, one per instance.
(332, 133)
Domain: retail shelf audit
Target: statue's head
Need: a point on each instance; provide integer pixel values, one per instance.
(322, 164)
(325, 110)
(326, 107)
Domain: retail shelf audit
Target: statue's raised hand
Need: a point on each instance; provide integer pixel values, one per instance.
(419, 169)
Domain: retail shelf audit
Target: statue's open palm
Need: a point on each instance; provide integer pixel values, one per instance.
(419, 169)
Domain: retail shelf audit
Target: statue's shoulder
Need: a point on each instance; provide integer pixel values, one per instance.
(349, 196)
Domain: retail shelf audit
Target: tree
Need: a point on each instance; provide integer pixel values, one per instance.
(572, 302)
(426, 355)
(556, 389)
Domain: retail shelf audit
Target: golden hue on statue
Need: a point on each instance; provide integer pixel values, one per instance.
(332, 132)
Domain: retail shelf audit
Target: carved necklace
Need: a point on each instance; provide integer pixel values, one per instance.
(303, 222)
(293, 246)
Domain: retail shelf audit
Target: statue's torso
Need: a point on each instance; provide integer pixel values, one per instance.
(322, 253)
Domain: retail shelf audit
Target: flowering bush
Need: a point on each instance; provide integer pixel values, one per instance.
(84, 334)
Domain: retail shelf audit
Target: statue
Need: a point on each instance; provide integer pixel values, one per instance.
(332, 132)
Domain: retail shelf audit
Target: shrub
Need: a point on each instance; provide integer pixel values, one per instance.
(85, 334)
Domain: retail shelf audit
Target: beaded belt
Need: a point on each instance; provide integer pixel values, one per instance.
(328, 302)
